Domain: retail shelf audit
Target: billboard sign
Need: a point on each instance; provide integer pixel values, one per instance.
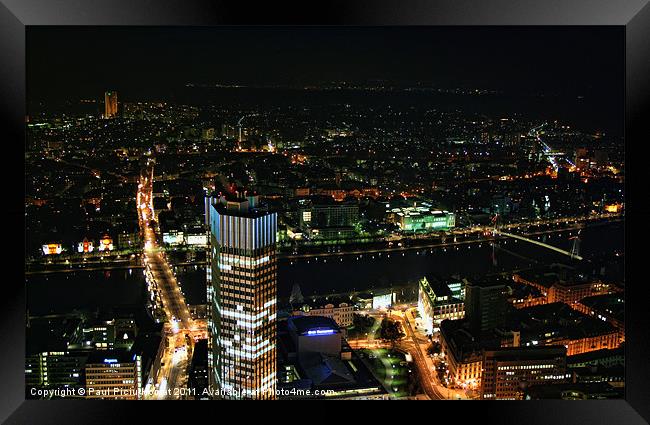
(52, 249)
(201, 239)
(106, 243)
(85, 246)
(382, 301)
(173, 238)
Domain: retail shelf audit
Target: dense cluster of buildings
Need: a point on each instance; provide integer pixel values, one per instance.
(354, 173)
(490, 343)
(252, 354)
(91, 358)
(502, 349)
(559, 283)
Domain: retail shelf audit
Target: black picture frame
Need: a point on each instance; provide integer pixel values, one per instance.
(17, 15)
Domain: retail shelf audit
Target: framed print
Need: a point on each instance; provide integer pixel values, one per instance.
(415, 201)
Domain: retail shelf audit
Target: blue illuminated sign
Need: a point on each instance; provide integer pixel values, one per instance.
(110, 360)
(320, 332)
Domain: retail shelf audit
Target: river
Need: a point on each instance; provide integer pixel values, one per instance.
(61, 292)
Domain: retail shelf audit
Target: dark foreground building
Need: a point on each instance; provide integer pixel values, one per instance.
(508, 372)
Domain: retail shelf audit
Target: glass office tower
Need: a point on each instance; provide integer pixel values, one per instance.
(242, 287)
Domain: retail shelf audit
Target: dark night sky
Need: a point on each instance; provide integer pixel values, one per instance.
(68, 63)
(83, 59)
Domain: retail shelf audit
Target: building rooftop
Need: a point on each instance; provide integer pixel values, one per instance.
(323, 201)
(527, 353)
(304, 324)
(547, 276)
(461, 340)
(51, 334)
(322, 302)
(488, 281)
(438, 291)
(596, 356)
(239, 208)
(110, 356)
(146, 344)
(610, 304)
(200, 353)
(557, 320)
(413, 207)
(596, 373)
(325, 370)
(521, 291)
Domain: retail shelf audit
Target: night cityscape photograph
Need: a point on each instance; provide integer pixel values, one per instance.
(391, 213)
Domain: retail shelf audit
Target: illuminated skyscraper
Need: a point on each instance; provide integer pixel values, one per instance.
(110, 104)
(242, 287)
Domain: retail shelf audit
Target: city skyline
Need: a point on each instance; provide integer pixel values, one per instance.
(158, 63)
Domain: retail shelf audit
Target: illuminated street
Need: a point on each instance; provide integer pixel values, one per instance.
(179, 323)
(417, 344)
(171, 296)
(412, 343)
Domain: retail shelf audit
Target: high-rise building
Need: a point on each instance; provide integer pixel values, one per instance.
(485, 304)
(110, 104)
(242, 298)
